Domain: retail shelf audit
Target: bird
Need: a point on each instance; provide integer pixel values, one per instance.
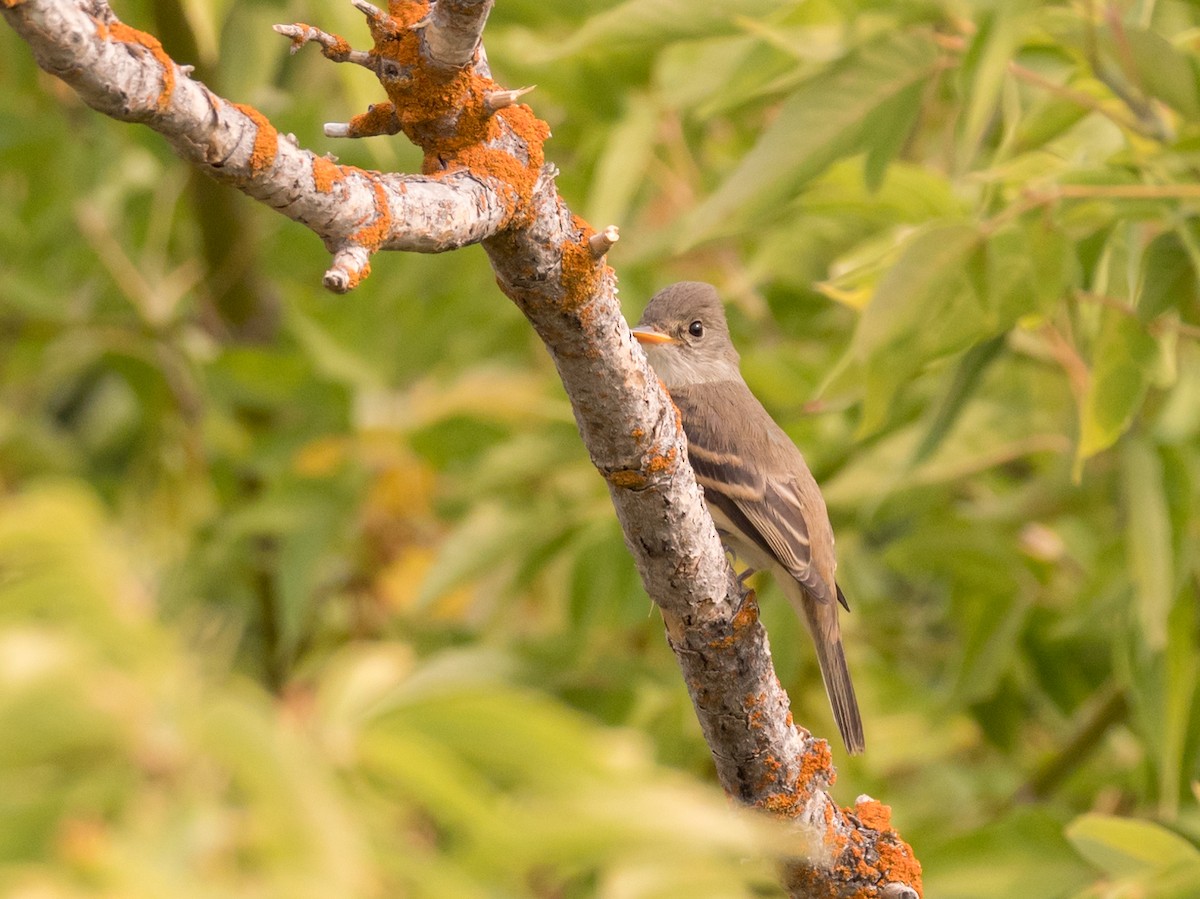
(765, 502)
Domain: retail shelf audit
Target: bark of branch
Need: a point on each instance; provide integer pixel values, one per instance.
(124, 73)
(485, 181)
(454, 31)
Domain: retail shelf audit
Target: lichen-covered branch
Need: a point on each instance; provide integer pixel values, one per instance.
(125, 73)
(454, 30)
(484, 180)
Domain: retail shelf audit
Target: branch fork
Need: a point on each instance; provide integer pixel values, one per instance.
(428, 61)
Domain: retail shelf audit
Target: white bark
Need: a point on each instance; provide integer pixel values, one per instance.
(454, 30)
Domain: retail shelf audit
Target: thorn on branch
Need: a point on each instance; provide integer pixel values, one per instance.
(497, 100)
(186, 71)
(380, 118)
(370, 10)
(351, 263)
(602, 241)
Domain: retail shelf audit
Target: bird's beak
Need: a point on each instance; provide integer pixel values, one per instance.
(651, 337)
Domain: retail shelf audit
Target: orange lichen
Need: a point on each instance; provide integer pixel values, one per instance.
(379, 118)
(771, 767)
(266, 140)
(471, 150)
(445, 113)
(810, 882)
(533, 133)
(338, 49)
(653, 463)
(658, 463)
(628, 479)
(374, 234)
(407, 13)
(817, 762)
(356, 277)
(747, 615)
(874, 815)
(897, 864)
(581, 271)
(892, 860)
(481, 160)
(753, 706)
(742, 619)
(865, 851)
(326, 173)
(816, 768)
(119, 31)
(783, 805)
(9, 4)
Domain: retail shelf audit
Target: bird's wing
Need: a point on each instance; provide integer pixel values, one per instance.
(767, 510)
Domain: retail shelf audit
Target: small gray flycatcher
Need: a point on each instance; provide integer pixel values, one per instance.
(765, 502)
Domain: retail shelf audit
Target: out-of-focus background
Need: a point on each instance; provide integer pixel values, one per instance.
(305, 595)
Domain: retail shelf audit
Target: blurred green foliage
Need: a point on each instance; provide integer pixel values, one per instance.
(333, 603)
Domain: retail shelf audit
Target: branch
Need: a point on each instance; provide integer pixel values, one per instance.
(125, 73)
(454, 31)
(485, 181)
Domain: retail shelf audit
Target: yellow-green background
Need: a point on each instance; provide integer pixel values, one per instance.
(305, 595)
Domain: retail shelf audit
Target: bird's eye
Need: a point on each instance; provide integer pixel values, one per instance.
(696, 328)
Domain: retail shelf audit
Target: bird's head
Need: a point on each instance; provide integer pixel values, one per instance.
(686, 336)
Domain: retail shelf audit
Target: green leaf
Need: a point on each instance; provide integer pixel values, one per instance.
(1121, 367)
(962, 386)
(1148, 537)
(831, 115)
(1123, 847)
(428, 772)
(999, 858)
(331, 356)
(206, 18)
(481, 542)
(1022, 269)
(1163, 71)
(657, 22)
(908, 194)
(1168, 278)
(1179, 703)
(621, 168)
(916, 314)
(986, 65)
(893, 122)
(715, 77)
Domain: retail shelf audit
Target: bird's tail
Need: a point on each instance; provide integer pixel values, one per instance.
(841, 692)
(821, 617)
